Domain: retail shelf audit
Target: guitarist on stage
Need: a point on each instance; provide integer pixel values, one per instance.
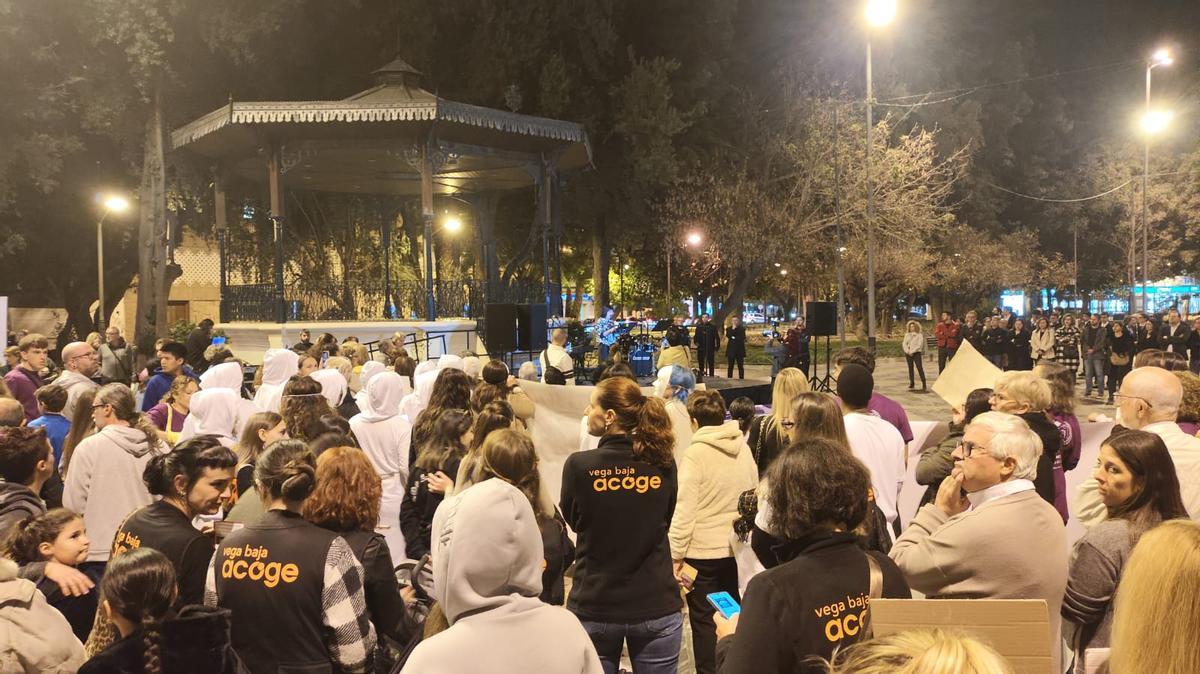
(606, 333)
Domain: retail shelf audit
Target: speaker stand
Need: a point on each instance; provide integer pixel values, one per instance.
(817, 382)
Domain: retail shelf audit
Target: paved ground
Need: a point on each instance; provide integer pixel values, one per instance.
(891, 379)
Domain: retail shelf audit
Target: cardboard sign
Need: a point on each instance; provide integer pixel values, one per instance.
(1019, 629)
(966, 371)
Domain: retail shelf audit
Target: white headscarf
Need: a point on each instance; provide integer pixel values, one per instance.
(225, 375)
(473, 366)
(333, 385)
(449, 361)
(214, 412)
(384, 393)
(278, 367)
(369, 370)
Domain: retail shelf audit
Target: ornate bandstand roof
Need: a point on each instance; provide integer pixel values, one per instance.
(370, 142)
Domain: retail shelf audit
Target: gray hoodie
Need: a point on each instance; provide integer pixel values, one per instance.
(104, 483)
(487, 575)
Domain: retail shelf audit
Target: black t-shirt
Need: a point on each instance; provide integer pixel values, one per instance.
(163, 527)
(620, 506)
(808, 606)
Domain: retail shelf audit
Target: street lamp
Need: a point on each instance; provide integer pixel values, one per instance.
(1152, 122)
(692, 239)
(452, 224)
(114, 203)
(879, 14)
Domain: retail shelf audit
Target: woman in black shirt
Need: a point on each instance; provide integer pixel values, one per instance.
(619, 499)
(432, 477)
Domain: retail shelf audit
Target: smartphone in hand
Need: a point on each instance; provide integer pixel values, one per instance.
(725, 604)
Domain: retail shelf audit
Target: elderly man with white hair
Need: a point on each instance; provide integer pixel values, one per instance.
(1149, 401)
(1001, 540)
(80, 363)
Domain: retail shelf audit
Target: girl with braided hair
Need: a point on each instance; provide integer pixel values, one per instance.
(137, 593)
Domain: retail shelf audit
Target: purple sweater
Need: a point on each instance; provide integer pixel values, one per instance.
(23, 383)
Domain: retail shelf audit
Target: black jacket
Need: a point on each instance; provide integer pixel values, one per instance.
(995, 341)
(621, 507)
(735, 342)
(416, 513)
(972, 334)
(16, 503)
(1051, 447)
(807, 606)
(194, 642)
(388, 613)
(765, 442)
(708, 338)
(1177, 342)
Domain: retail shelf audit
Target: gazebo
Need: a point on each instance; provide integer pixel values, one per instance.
(394, 138)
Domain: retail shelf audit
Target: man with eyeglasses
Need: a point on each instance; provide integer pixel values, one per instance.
(79, 364)
(1149, 401)
(988, 535)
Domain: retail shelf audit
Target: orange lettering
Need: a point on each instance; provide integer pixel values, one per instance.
(655, 482)
(598, 485)
(290, 573)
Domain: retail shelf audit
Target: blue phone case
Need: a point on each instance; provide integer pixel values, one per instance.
(724, 603)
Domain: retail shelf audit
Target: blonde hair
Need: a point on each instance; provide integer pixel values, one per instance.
(354, 352)
(1026, 387)
(342, 365)
(921, 651)
(1157, 610)
(789, 383)
(910, 324)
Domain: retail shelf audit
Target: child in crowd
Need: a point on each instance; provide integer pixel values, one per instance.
(51, 400)
(56, 536)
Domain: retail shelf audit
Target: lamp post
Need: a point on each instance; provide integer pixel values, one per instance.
(112, 204)
(693, 239)
(879, 14)
(1152, 123)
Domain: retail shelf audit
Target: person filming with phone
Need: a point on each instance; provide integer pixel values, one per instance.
(816, 601)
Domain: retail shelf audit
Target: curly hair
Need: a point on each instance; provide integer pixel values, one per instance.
(816, 485)
(451, 391)
(303, 407)
(178, 385)
(1189, 407)
(348, 492)
(641, 417)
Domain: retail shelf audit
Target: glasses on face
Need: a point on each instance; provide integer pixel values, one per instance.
(968, 448)
(1129, 397)
(96, 407)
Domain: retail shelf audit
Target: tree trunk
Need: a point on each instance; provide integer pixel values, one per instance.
(738, 286)
(601, 259)
(153, 282)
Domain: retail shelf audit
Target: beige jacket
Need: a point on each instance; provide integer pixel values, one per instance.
(714, 471)
(1011, 547)
(34, 636)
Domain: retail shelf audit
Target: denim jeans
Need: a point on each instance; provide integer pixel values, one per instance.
(1093, 374)
(653, 644)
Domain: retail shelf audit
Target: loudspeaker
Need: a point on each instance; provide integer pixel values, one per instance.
(532, 326)
(500, 328)
(821, 318)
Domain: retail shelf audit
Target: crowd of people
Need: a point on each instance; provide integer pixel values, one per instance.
(1098, 347)
(335, 511)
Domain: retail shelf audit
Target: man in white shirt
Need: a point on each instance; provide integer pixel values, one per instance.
(556, 356)
(873, 440)
(1149, 401)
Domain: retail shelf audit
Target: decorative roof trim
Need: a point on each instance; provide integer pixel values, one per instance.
(309, 112)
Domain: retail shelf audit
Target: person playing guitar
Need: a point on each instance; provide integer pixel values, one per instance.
(607, 332)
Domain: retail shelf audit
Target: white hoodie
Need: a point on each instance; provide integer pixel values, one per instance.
(104, 483)
(333, 385)
(213, 412)
(224, 376)
(487, 575)
(278, 367)
(714, 471)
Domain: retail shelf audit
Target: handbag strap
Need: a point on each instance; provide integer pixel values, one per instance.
(876, 592)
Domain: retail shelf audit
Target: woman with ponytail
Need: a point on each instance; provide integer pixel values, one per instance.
(619, 499)
(295, 589)
(104, 483)
(137, 595)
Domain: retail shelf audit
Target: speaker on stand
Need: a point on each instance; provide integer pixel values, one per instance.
(820, 318)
